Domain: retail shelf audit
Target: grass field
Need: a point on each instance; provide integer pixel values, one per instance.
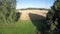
(30, 23)
(22, 27)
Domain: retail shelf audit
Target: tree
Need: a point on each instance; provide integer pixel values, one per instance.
(53, 18)
(7, 11)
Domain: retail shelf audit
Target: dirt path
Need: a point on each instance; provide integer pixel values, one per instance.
(24, 16)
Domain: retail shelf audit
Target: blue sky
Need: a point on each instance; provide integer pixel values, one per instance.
(34, 4)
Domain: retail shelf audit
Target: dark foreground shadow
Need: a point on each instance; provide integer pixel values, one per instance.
(18, 14)
(40, 23)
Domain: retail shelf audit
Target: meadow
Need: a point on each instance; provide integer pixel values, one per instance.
(30, 22)
(24, 27)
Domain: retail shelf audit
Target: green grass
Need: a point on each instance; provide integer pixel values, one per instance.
(22, 27)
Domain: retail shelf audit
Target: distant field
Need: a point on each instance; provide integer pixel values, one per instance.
(32, 14)
(30, 22)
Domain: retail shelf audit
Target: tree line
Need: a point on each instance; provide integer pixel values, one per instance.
(8, 15)
(8, 11)
(53, 18)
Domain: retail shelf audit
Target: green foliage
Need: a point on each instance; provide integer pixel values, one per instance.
(7, 11)
(52, 12)
(34, 9)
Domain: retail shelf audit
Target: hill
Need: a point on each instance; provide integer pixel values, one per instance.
(32, 13)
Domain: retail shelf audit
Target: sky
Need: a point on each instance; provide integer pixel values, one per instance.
(34, 4)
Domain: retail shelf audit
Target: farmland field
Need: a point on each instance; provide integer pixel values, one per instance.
(34, 14)
(30, 22)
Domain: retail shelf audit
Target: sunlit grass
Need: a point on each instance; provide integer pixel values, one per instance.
(23, 27)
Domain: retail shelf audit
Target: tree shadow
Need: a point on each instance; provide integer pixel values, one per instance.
(40, 22)
(18, 14)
